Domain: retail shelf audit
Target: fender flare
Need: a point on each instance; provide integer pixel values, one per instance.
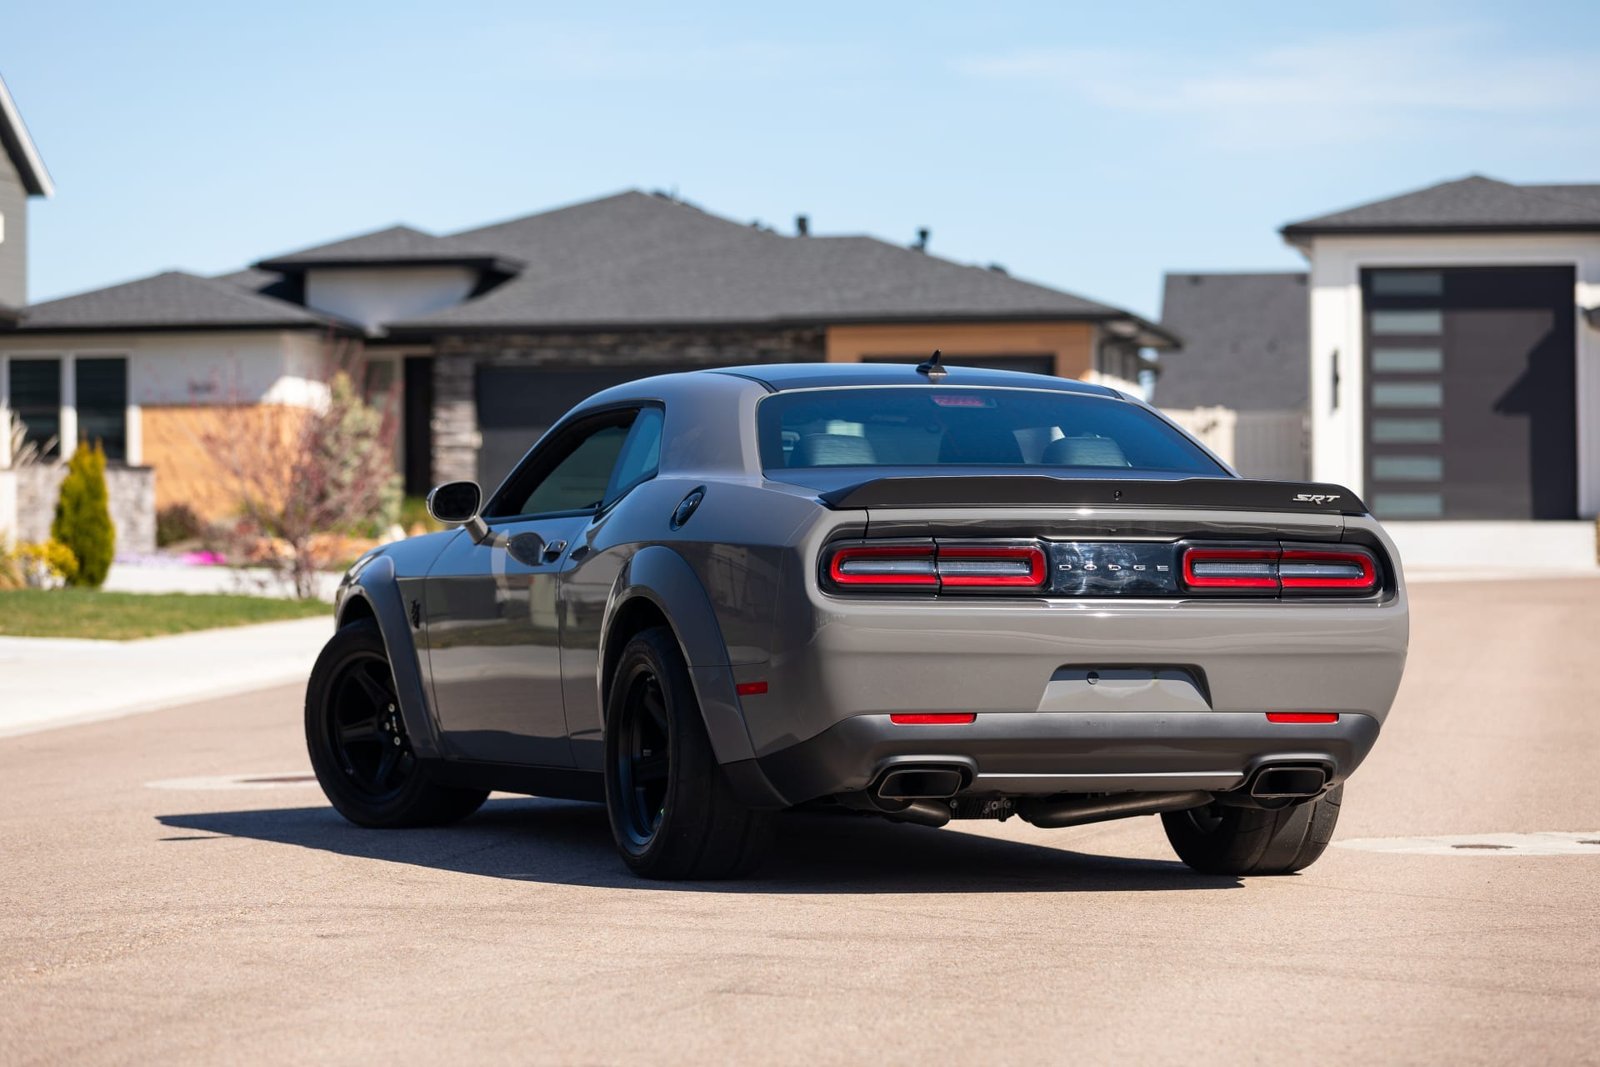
(375, 585)
(660, 575)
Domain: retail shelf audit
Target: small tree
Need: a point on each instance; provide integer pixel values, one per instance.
(302, 473)
(83, 516)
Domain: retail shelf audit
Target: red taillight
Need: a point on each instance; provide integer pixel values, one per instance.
(991, 566)
(750, 689)
(1295, 570)
(1348, 571)
(901, 566)
(932, 567)
(1231, 568)
(954, 718)
(1302, 716)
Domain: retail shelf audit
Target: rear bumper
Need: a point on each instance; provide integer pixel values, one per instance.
(1045, 753)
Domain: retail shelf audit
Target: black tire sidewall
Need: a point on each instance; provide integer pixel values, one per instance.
(417, 801)
(645, 654)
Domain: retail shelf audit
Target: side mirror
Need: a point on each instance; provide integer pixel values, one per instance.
(458, 503)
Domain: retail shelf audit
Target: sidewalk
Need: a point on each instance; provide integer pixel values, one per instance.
(51, 682)
(145, 577)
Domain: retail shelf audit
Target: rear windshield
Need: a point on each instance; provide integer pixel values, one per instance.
(937, 427)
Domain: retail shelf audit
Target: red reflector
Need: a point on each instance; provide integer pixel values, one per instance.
(1302, 716)
(955, 718)
(750, 689)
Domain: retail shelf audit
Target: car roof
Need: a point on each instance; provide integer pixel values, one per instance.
(780, 376)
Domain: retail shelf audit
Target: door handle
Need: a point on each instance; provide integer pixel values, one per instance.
(553, 550)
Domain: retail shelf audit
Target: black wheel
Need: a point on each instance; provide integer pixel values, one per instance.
(1217, 839)
(358, 743)
(673, 813)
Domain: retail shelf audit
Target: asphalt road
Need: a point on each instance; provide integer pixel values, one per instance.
(143, 924)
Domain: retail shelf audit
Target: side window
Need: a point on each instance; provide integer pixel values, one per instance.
(641, 454)
(578, 483)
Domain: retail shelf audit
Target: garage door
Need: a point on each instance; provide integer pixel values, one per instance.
(517, 404)
(1470, 406)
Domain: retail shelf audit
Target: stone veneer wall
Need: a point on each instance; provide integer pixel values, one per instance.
(457, 358)
(132, 492)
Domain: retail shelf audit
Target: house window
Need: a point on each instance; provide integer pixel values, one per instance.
(102, 402)
(36, 400)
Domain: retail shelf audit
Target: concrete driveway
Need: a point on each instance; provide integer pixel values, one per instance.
(151, 913)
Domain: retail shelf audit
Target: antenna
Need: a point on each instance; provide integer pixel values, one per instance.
(933, 368)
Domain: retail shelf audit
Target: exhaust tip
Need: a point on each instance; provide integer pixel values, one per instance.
(920, 783)
(1289, 782)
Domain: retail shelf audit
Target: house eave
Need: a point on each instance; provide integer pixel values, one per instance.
(18, 144)
(1299, 234)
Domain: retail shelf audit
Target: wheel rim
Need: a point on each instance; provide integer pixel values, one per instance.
(368, 740)
(643, 760)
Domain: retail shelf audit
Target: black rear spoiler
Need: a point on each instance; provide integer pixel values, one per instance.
(1003, 490)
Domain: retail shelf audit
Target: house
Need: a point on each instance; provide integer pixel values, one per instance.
(1240, 379)
(1455, 350)
(22, 177)
(489, 335)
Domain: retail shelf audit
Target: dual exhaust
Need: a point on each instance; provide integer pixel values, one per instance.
(921, 793)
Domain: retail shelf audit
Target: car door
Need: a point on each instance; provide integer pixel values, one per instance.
(493, 609)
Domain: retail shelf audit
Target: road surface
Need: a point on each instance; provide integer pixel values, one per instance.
(151, 913)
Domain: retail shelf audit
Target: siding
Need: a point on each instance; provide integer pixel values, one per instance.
(14, 249)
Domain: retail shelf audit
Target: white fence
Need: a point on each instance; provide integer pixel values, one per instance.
(1259, 444)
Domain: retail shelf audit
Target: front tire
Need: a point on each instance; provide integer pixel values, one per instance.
(1217, 839)
(673, 813)
(358, 743)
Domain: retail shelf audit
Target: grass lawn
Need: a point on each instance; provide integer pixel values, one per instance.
(121, 616)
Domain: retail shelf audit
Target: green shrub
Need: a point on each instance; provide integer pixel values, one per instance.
(177, 522)
(83, 516)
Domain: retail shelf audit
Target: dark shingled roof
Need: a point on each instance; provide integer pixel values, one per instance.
(1471, 204)
(639, 259)
(632, 259)
(397, 246)
(173, 300)
(1246, 341)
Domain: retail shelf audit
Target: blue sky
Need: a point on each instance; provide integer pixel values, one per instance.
(1091, 147)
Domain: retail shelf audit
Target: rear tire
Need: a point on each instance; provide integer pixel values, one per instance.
(673, 813)
(358, 744)
(1224, 840)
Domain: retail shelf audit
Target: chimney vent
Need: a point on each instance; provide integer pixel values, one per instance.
(802, 226)
(922, 239)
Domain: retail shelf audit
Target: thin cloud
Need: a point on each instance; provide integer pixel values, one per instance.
(1334, 90)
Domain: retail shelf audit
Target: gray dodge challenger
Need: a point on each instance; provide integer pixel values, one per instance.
(922, 592)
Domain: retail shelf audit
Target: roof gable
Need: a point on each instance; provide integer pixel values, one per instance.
(392, 246)
(19, 147)
(1474, 203)
(172, 300)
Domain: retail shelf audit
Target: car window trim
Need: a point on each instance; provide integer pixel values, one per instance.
(654, 472)
(557, 436)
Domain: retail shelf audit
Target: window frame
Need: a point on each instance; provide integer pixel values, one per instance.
(1223, 470)
(554, 448)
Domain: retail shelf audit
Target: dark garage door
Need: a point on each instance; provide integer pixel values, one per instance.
(1470, 404)
(517, 404)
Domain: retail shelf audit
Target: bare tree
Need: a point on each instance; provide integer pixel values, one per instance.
(301, 473)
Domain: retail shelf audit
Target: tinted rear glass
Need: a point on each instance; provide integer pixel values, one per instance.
(936, 427)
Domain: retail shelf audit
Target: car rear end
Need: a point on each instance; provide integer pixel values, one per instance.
(1132, 630)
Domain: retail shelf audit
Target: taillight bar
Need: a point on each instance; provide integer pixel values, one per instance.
(990, 566)
(928, 566)
(900, 566)
(1288, 568)
(1231, 568)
